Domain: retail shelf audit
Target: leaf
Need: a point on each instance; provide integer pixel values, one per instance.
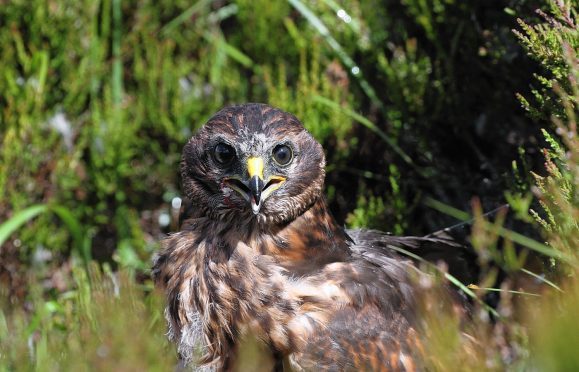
(75, 229)
(8, 227)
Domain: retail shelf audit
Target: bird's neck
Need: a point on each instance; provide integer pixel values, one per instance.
(300, 246)
(306, 243)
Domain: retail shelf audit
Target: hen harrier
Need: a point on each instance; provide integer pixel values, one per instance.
(260, 257)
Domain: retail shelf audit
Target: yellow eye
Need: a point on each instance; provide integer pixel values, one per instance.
(282, 154)
(223, 153)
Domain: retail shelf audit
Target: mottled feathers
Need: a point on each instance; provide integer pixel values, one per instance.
(260, 258)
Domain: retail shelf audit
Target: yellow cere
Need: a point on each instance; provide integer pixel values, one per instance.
(255, 167)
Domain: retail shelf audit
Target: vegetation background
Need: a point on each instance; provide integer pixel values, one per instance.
(426, 108)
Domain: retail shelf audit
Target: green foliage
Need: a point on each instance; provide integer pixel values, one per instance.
(428, 13)
(97, 107)
(85, 126)
(555, 332)
(300, 100)
(108, 325)
(552, 43)
(376, 213)
(367, 211)
(410, 98)
(407, 75)
(555, 45)
(547, 336)
(558, 190)
(81, 244)
(258, 20)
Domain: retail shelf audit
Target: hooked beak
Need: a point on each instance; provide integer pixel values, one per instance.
(255, 190)
(255, 187)
(255, 170)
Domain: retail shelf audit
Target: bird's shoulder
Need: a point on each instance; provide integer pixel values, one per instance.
(456, 255)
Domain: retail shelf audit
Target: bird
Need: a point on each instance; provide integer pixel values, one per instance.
(259, 259)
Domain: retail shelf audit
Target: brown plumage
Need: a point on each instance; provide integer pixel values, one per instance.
(259, 257)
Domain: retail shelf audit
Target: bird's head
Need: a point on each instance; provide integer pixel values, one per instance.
(253, 161)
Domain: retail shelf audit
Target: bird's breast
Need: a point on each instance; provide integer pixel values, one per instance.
(222, 290)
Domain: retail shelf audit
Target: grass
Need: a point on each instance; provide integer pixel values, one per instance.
(415, 103)
(107, 322)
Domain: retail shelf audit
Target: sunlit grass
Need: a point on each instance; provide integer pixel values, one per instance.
(97, 99)
(107, 323)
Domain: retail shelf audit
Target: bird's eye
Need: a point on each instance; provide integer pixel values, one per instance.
(223, 153)
(282, 154)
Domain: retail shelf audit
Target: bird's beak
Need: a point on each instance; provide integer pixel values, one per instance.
(255, 170)
(255, 189)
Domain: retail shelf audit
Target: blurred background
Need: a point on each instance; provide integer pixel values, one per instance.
(429, 111)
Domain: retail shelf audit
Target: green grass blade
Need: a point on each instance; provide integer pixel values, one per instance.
(352, 23)
(449, 277)
(231, 51)
(447, 209)
(368, 124)
(8, 227)
(117, 74)
(532, 244)
(319, 26)
(81, 244)
(75, 229)
(505, 233)
(540, 278)
(223, 13)
(505, 291)
(183, 17)
(42, 74)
